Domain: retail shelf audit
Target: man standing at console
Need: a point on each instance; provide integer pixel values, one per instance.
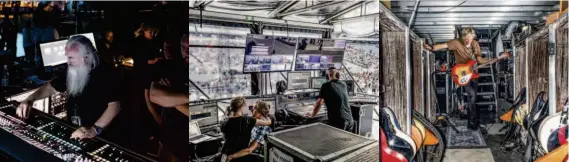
(465, 49)
(93, 97)
(334, 94)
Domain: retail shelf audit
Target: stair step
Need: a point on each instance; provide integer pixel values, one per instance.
(485, 84)
(485, 103)
(485, 75)
(484, 93)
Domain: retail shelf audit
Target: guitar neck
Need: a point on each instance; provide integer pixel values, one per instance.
(488, 63)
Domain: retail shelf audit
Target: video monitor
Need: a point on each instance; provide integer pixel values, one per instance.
(298, 80)
(194, 129)
(91, 37)
(53, 53)
(319, 54)
(351, 86)
(316, 82)
(204, 114)
(268, 53)
(251, 103)
(20, 52)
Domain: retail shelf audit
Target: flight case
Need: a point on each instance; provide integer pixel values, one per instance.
(312, 143)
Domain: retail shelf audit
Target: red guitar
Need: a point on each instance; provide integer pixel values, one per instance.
(462, 74)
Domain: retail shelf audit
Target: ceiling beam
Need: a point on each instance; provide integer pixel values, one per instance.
(474, 3)
(374, 15)
(282, 7)
(210, 15)
(313, 7)
(441, 19)
(434, 31)
(344, 11)
(463, 23)
(473, 14)
(477, 9)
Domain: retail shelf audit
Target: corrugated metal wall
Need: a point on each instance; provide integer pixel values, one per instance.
(519, 61)
(393, 74)
(561, 71)
(537, 68)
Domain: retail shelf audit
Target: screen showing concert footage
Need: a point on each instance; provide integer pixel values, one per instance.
(298, 80)
(319, 54)
(268, 53)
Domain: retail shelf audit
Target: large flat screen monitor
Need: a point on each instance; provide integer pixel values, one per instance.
(204, 114)
(251, 103)
(268, 53)
(316, 82)
(319, 54)
(298, 80)
(351, 86)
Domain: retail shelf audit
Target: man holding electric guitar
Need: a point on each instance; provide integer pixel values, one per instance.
(468, 59)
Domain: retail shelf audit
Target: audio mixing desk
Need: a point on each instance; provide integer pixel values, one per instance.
(44, 138)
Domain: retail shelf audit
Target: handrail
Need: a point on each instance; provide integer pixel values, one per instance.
(199, 89)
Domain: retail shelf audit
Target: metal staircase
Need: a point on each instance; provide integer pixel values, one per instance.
(487, 94)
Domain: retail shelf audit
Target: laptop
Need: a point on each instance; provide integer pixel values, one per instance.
(196, 136)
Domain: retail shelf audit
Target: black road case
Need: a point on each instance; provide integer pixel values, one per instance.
(312, 143)
(368, 153)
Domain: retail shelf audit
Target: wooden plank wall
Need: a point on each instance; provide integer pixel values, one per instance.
(417, 89)
(433, 108)
(561, 65)
(537, 68)
(519, 61)
(393, 74)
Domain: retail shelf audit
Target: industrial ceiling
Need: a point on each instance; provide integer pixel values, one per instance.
(439, 19)
(435, 20)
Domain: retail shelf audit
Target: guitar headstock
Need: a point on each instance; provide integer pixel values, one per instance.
(505, 55)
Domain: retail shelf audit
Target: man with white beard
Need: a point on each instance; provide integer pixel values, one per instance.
(93, 97)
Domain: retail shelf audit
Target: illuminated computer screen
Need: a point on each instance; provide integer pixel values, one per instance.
(298, 80)
(91, 37)
(204, 114)
(53, 53)
(251, 103)
(317, 82)
(351, 87)
(194, 128)
(20, 52)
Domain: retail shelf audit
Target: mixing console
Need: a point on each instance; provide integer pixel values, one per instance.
(51, 136)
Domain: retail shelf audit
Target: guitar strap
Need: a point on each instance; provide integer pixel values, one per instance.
(564, 113)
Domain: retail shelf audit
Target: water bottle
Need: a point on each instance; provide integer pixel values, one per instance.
(5, 76)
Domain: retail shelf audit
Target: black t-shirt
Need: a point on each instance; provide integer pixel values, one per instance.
(144, 50)
(237, 133)
(335, 95)
(101, 89)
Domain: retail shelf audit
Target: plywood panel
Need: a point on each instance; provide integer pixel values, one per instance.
(393, 74)
(561, 64)
(519, 61)
(537, 68)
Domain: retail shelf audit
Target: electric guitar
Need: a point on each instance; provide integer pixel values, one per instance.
(462, 74)
(387, 154)
(398, 140)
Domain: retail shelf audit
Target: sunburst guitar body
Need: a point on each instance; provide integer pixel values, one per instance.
(462, 74)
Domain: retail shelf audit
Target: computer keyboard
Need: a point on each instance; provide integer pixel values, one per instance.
(198, 138)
